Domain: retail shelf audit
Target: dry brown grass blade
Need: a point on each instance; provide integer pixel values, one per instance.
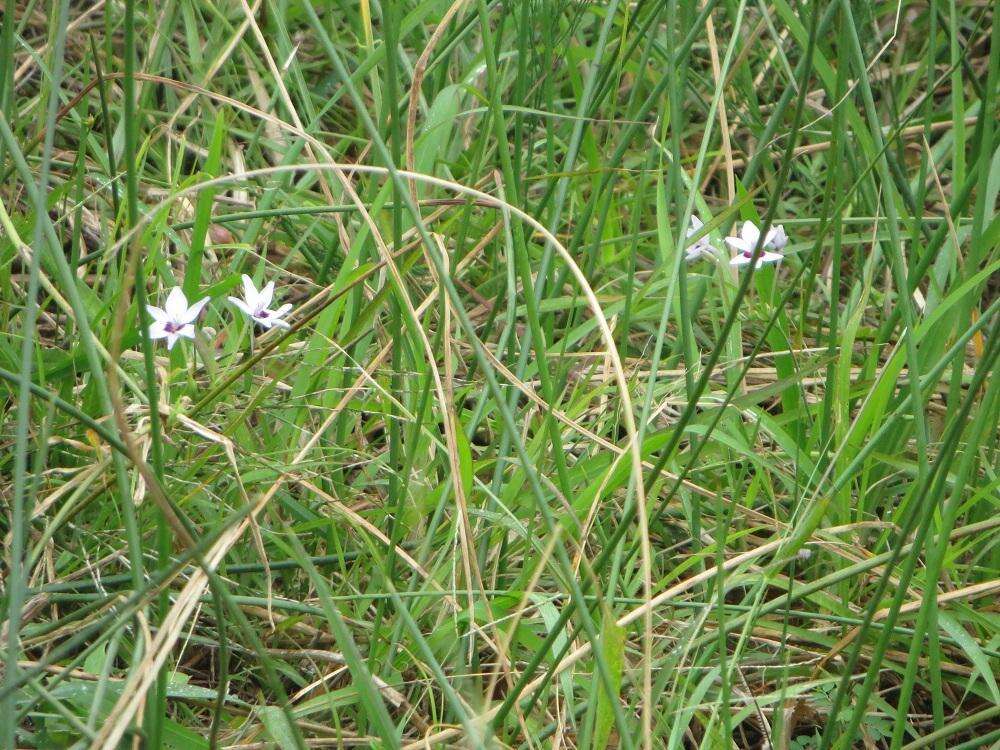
(727, 148)
(473, 577)
(966, 592)
(419, 70)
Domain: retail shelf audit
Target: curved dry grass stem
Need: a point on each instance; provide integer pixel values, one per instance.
(171, 628)
(472, 575)
(471, 570)
(484, 199)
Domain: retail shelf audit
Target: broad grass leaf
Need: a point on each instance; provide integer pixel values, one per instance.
(613, 648)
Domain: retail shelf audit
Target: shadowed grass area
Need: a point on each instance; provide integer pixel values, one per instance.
(532, 374)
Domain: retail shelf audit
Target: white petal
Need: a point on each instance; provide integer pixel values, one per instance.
(778, 238)
(177, 303)
(157, 313)
(157, 329)
(749, 232)
(171, 340)
(281, 311)
(696, 225)
(276, 323)
(265, 296)
(241, 304)
(765, 257)
(187, 331)
(191, 314)
(249, 292)
(738, 243)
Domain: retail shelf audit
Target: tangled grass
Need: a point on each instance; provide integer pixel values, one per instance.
(537, 454)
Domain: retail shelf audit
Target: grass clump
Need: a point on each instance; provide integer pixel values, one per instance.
(480, 374)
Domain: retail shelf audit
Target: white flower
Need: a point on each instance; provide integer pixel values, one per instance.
(700, 248)
(175, 318)
(776, 239)
(254, 305)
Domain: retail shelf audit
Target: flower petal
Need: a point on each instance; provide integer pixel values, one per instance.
(277, 323)
(739, 260)
(249, 292)
(242, 305)
(157, 313)
(191, 314)
(176, 304)
(171, 340)
(265, 296)
(767, 257)
(695, 226)
(777, 237)
(749, 232)
(157, 329)
(281, 311)
(187, 331)
(740, 244)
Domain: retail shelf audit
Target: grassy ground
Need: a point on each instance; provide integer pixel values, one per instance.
(518, 474)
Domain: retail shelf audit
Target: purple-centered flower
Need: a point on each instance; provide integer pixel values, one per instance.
(176, 318)
(255, 305)
(776, 239)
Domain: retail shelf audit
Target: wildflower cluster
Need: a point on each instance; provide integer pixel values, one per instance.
(175, 320)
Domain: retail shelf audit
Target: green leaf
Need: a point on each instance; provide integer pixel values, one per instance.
(437, 131)
(613, 647)
(178, 737)
(979, 660)
(203, 211)
(464, 460)
(277, 726)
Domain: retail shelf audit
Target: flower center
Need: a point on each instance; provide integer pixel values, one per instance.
(172, 327)
(262, 314)
(748, 253)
